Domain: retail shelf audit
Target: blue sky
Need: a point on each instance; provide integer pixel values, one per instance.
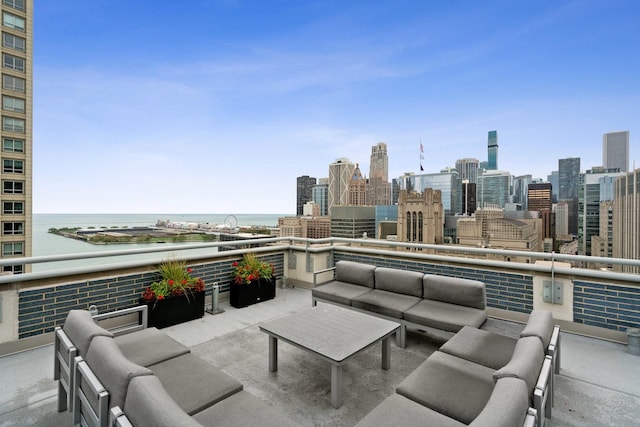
(217, 106)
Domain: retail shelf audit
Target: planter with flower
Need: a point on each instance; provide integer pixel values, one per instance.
(252, 282)
(176, 298)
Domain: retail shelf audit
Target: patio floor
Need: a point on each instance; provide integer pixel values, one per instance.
(598, 384)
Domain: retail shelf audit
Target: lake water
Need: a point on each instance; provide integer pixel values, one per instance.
(45, 243)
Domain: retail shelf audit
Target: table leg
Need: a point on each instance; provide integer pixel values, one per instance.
(273, 354)
(336, 386)
(386, 353)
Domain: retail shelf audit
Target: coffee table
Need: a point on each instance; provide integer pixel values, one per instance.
(332, 333)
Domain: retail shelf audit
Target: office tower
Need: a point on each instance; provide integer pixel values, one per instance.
(17, 155)
(353, 222)
(554, 180)
(539, 197)
(340, 173)
(320, 195)
(493, 189)
(469, 201)
(615, 151)
(396, 185)
(420, 217)
(304, 185)
(448, 182)
(568, 182)
(562, 219)
(597, 186)
(379, 175)
(468, 169)
(492, 146)
(520, 189)
(626, 219)
(359, 190)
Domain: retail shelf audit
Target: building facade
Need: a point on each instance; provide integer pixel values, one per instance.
(493, 188)
(568, 183)
(320, 195)
(304, 193)
(447, 182)
(340, 173)
(492, 150)
(353, 222)
(379, 175)
(468, 169)
(420, 217)
(16, 131)
(626, 219)
(359, 192)
(615, 151)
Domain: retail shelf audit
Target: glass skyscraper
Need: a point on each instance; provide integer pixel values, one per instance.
(492, 147)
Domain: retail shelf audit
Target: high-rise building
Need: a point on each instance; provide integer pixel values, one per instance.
(493, 189)
(615, 151)
(447, 181)
(492, 146)
(626, 219)
(420, 217)
(468, 169)
(353, 222)
(379, 175)
(554, 180)
(359, 190)
(340, 173)
(562, 219)
(320, 195)
(568, 183)
(16, 131)
(520, 189)
(304, 186)
(468, 197)
(539, 197)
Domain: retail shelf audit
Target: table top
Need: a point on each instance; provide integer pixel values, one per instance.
(332, 332)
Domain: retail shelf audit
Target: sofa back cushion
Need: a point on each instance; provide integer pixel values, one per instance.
(526, 362)
(355, 273)
(453, 290)
(81, 329)
(540, 325)
(112, 369)
(149, 405)
(399, 281)
(507, 406)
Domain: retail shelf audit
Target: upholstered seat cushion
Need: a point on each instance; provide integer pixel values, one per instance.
(193, 383)
(387, 303)
(507, 406)
(540, 324)
(112, 369)
(450, 385)
(355, 273)
(399, 281)
(525, 363)
(149, 346)
(340, 292)
(81, 329)
(242, 410)
(445, 316)
(454, 290)
(149, 405)
(480, 346)
(398, 411)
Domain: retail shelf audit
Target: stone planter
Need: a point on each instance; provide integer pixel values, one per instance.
(174, 310)
(243, 295)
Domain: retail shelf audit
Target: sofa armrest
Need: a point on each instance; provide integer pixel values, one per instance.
(315, 273)
(90, 398)
(554, 349)
(63, 369)
(543, 393)
(531, 419)
(143, 319)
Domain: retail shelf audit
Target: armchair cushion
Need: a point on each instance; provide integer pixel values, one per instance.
(525, 363)
(81, 329)
(355, 273)
(400, 281)
(454, 290)
(540, 324)
(480, 346)
(507, 405)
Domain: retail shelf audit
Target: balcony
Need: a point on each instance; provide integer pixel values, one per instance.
(597, 384)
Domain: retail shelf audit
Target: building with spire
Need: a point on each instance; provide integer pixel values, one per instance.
(16, 131)
(359, 190)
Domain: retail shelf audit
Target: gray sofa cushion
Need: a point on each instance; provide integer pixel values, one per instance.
(386, 303)
(81, 329)
(149, 346)
(355, 273)
(149, 405)
(445, 316)
(112, 369)
(540, 324)
(242, 410)
(525, 363)
(400, 281)
(398, 411)
(450, 385)
(455, 290)
(340, 292)
(193, 383)
(507, 406)
(480, 346)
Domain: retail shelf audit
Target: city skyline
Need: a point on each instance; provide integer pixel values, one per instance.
(150, 109)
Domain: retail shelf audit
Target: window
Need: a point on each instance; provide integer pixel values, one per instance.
(13, 187)
(12, 166)
(13, 208)
(12, 228)
(13, 83)
(12, 248)
(11, 124)
(12, 62)
(16, 4)
(15, 269)
(13, 21)
(13, 145)
(14, 42)
(9, 103)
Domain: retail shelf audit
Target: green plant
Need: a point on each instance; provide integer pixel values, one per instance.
(251, 269)
(176, 281)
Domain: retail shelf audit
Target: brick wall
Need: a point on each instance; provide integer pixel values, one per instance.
(606, 306)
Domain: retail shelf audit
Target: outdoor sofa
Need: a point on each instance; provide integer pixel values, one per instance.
(146, 378)
(413, 299)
